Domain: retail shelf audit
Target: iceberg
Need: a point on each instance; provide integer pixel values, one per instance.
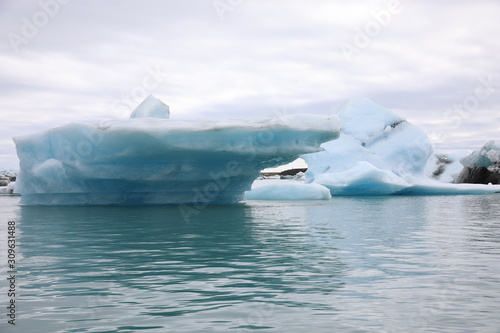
(377, 152)
(152, 160)
(482, 166)
(380, 153)
(7, 182)
(488, 156)
(8, 189)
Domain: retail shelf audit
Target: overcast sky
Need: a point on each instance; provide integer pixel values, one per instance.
(435, 63)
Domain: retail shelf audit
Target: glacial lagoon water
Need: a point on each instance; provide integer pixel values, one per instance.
(351, 264)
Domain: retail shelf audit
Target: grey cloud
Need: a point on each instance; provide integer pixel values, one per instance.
(263, 56)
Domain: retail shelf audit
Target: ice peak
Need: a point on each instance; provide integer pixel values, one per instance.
(361, 117)
(151, 107)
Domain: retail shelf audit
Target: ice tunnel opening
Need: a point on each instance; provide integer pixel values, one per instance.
(289, 169)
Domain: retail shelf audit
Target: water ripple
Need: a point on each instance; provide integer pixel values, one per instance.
(347, 265)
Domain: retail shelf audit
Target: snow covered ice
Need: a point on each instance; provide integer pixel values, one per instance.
(152, 160)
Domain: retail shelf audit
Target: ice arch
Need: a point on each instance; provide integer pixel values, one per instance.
(152, 160)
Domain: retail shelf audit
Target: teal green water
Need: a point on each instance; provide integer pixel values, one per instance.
(374, 264)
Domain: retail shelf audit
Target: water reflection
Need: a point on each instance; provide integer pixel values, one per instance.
(149, 262)
(345, 265)
(483, 224)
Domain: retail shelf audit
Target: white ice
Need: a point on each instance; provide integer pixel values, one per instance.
(9, 189)
(272, 189)
(379, 153)
(145, 161)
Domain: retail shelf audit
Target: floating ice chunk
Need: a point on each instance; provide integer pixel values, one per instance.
(151, 107)
(482, 166)
(286, 190)
(9, 189)
(487, 156)
(142, 161)
(377, 153)
(424, 186)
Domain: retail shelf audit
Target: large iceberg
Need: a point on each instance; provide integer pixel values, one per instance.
(380, 153)
(152, 160)
(377, 153)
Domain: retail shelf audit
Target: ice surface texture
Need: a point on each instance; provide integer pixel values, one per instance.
(144, 161)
